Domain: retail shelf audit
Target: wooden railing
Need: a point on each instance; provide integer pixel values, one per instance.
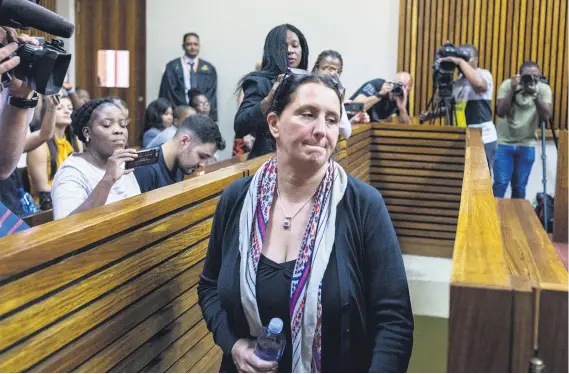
(114, 288)
(508, 286)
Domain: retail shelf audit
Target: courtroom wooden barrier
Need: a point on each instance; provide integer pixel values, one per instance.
(419, 171)
(560, 220)
(114, 288)
(508, 286)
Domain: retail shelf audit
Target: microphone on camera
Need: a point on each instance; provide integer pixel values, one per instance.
(26, 13)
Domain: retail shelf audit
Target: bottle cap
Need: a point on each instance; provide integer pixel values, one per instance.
(276, 326)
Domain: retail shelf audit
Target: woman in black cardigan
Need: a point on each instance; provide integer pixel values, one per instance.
(285, 46)
(303, 241)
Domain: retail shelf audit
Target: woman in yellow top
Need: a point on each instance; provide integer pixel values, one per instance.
(44, 161)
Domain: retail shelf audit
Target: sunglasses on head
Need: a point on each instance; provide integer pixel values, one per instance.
(293, 72)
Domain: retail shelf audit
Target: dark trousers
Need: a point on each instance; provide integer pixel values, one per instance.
(512, 165)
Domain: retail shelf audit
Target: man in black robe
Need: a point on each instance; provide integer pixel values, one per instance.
(188, 72)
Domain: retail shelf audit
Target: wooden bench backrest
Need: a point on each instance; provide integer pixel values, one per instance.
(419, 171)
(114, 288)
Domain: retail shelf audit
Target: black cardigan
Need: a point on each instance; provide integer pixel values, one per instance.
(373, 298)
(250, 118)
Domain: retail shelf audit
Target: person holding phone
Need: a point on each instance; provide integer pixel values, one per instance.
(330, 63)
(523, 101)
(97, 176)
(259, 86)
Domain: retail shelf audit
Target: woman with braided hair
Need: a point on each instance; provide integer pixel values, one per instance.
(95, 177)
(330, 62)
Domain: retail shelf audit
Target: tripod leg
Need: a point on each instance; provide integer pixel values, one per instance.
(544, 175)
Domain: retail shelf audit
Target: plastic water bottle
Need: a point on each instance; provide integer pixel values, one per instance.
(271, 344)
(27, 202)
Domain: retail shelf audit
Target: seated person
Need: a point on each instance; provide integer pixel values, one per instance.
(95, 177)
(199, 102)
(180, 114)
(380, 103)
(158, 116)
(331, 63)
(44, 161)
(195, 143)
(78, 96)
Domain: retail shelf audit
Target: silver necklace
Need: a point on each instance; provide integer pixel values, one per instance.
(288, 219)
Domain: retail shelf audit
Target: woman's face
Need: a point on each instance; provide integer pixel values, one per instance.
(307, 129)
(108, 130)
(202, 105)
(167, 118)
(63, 113)
(294, 51)
(330, 66)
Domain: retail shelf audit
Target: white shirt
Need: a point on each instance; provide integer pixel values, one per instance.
(186, 63)
(76, 179)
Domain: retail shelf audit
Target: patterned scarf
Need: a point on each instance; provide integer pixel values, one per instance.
(313, 256)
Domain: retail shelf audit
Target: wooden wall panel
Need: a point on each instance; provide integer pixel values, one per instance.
(506, 32)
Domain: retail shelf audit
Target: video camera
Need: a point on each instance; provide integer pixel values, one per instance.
(443, 70)
(42, 68)
(398, 89)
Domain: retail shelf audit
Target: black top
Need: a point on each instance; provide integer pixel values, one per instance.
(151, 177)
(9, 194)
(250, 119)
(366, 312)
(273, 299)
(173, 88)
(384, 108)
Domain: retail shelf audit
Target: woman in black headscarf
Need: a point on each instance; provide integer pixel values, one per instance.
(285, 46)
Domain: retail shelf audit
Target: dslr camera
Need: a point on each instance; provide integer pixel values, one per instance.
(443, 70)
(42, 68)
(397, 90)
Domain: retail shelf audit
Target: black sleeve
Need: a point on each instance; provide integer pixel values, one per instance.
(214, 315)
(146, 178)
(168, 85)
(249, 117)
(390, 312)
(212, 94)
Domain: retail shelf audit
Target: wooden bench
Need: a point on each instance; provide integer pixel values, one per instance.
(508, 286)
(419, 170)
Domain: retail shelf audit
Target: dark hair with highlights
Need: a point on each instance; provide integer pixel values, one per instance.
(291, 83)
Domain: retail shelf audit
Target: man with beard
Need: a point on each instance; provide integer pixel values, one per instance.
(195, 143)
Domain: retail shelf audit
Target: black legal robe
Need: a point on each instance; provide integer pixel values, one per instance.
(173, 88)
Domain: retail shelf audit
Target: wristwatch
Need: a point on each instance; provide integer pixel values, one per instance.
(18, 102)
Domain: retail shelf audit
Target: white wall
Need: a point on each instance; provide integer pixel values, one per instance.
(66, 8)
(232, 34)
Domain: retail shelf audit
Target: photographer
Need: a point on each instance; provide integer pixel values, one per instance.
(14, 120)
(383, 99)
(523, 101)
(472, 93)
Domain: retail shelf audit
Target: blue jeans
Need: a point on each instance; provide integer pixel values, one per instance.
(513, 164)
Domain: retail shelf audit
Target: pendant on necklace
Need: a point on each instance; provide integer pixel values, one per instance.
(286, 223)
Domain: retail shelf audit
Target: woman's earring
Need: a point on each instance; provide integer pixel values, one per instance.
(87, 139)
